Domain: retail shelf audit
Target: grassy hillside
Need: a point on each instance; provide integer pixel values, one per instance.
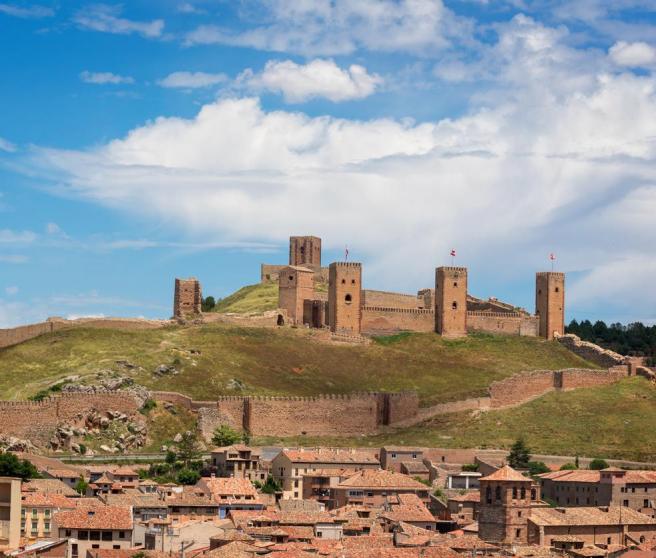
(256, 298)
(235, 360)
(253, 298)
(614, 421)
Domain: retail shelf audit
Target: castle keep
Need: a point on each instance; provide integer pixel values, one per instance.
(188, 298)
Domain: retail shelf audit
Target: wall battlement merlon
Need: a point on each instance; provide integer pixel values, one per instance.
(550, 274)
(485, 314)
(398, 310)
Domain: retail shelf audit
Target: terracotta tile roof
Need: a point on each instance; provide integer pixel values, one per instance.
(304, 518)
(589, 516)
(126, 553)
(44, 500)
(63, 473)
(414, 466)
(506, 473)
(372, 478)
(48, 486)
(104, 479)
(573, 476)
(329, 456)
(135, 500)
(469, 497)
(219, 487)
(402, 449)
(108, 517)
(124, 472)
(409, 514)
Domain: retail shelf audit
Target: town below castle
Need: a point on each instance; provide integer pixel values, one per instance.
(211, 492)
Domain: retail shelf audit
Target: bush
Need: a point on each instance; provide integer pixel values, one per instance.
(537, 468)
(598, 464)
(471, 467)
(271, 486)
(149, 405)
(224, 435)
(81, 486)
(438, 493)
(568, 467)
(188, 477)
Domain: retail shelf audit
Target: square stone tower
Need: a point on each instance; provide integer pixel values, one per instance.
(506, 500)
(305, 251)
(295, 284)
(344, 295)
(550, 303)
(187, 298)
(451, 301)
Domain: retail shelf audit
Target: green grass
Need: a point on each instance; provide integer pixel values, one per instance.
(252, 298)
(278, 361)
(613, 421)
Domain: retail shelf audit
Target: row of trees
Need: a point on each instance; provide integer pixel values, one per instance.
(635, 339)
(520, 458)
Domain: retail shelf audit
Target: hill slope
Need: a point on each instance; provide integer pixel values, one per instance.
(612, 421)
(252, 298)
(234, 360)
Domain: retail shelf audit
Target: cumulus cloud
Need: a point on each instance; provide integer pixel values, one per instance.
(633, 54)
(318, 78)
(192, 80)
(526, 171)
(26, 11)
(6, 145)
(7, 236)
(106, 19)
(320, 27)
(103, 78)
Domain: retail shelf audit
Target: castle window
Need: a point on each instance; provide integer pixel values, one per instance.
(455, 283)
(539, 291)
(454, 305)
(497, 493)
(291, 277)
(518, 533)
(352, 281)
(348, 299)
(343, 281)
(557, 290)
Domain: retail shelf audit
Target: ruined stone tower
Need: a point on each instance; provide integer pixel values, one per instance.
(506, 499)
(187, 298)
(550, 303)
(451, 301)
(305, 251)
(296, 284)
(344, 293)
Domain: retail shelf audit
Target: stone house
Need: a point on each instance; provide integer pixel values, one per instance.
(372, 487)
(392, 457)
(238, 461)
(108, 527)
(290, 466)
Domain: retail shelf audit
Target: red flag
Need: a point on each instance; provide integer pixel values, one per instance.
(346, 253)
(453, 253)
(552, 257)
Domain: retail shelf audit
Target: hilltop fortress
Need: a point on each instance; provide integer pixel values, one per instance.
(446, 308)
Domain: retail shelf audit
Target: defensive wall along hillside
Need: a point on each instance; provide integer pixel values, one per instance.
(20, 334)
(37, 420)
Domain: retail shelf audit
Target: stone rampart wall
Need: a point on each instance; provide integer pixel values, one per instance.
(590, 351)
(389, 320)
(37, 420)
(385, 299)
(508, 323)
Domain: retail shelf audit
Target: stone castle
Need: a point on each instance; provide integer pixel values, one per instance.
(447, 308)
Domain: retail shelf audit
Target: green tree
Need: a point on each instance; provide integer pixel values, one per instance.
(224, 435)
(188, 476)
(171, 457)
(81, 486)
(519, 455)
(12, 466)
(188, 448)
(271, 486)
(208, 304)
(598, 464)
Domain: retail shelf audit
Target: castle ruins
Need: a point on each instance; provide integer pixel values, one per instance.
(447, 308)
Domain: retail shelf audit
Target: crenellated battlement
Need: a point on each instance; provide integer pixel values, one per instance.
(424, 311)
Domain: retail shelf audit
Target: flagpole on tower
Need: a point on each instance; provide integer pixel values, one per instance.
(346, 253)
(453, 256)
(552, 257)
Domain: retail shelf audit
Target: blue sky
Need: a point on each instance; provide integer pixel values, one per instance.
(148, 140)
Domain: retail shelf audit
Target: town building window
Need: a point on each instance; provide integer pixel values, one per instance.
(83, 535)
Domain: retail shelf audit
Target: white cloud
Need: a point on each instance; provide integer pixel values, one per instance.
(106, 19)
(189, 8)
(322, 27)
(530, 169)
(8, 236)
(192, 80)
(6, 145)
(26, 11)
(103, 78)
(12, 290)
(318, 78)
(633, 54)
